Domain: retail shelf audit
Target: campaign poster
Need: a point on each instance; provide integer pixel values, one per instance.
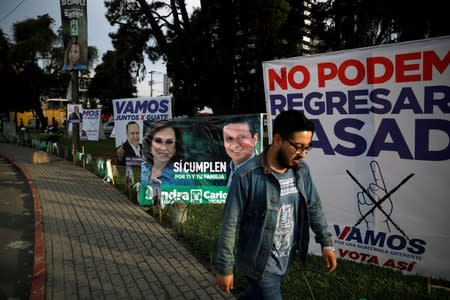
(75, 116)
(129, 117)
(74, 31)
(213, 148)
(91, 123)
(381, 149)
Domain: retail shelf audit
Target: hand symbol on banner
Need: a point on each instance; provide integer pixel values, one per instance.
(377, 189)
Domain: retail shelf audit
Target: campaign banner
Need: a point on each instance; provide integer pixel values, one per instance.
(381, 150)
(74, 31)
(75, 116)
(91, 123)
(213, 148)
(129, 117)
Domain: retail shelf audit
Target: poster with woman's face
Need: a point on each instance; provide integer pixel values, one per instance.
(212, 149)
(74, 29)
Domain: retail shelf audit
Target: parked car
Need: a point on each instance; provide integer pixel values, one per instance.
(108, 127)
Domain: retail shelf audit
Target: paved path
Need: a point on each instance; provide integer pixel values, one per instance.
(97, 244)
(16, 233)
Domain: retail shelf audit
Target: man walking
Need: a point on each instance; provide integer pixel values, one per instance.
(271, 204)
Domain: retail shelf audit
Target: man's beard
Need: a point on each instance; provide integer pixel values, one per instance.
(284, 160)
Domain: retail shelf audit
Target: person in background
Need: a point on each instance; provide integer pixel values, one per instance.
(131, 148)
(240, 137)
(54, 125)
(38, 124)
(271, 205)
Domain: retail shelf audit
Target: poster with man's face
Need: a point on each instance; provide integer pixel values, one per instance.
(75, 116)
(129, 117)
(212, 149)
(130, 114)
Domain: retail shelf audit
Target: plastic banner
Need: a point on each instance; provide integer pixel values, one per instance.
(74, 30)
(381, 150)
(202, 176)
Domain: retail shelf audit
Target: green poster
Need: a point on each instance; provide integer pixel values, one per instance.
(194, 159)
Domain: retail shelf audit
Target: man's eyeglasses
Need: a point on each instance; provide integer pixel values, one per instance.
(298, 149)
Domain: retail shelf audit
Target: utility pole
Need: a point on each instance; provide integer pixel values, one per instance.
(75, 100)
(151, 83)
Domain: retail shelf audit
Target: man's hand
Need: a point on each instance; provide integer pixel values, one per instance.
(225, 282)
(329, 258)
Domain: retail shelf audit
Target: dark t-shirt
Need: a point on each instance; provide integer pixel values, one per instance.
(285, 238)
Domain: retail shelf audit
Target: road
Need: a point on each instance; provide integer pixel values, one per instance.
(16, 233)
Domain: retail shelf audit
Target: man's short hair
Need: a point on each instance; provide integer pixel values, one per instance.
(241, 119)
(130, 123)
(290, 121)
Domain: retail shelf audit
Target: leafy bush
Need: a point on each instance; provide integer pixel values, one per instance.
(48, 137)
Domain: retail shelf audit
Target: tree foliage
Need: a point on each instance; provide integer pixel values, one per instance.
(6, 73)
(214, 57)
(112, 80)
(31, 66)
(33, 39)
(352, 24)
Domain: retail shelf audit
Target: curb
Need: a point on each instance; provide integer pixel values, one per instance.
(37, 284)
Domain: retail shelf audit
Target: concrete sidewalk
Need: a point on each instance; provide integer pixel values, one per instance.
(97, 244)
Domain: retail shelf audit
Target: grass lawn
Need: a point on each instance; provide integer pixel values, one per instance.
(350, 281)
(100, 148)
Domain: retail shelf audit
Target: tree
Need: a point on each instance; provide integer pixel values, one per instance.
(112, 80)
(32, 37)
(5, 47)
(352, 24)
(211, 57)
(6, 74)
(215, 56)
(35, 45)
(258, 35)
(144, 28)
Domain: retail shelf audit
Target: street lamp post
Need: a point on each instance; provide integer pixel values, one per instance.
(151, 83)
(75, 99)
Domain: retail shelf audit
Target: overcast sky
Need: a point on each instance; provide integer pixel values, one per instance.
(12, 11)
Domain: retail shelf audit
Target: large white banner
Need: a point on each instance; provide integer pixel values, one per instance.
(75, 116)
(91, 123)
(381, 150)
(129, 117)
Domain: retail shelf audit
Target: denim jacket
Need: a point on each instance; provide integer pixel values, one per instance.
(250, 217)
